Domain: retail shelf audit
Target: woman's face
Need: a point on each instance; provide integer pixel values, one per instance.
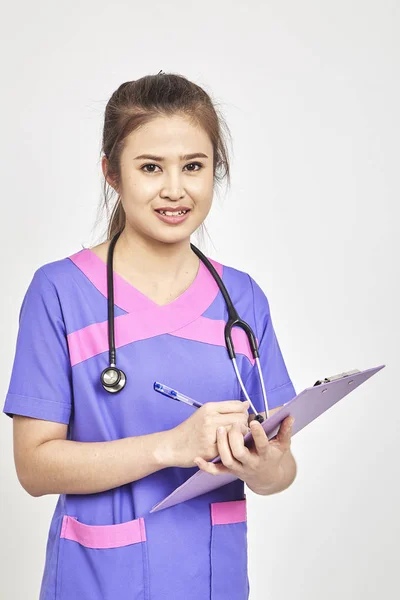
(163, 179)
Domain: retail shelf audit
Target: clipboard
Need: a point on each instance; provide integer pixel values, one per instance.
(305, 408)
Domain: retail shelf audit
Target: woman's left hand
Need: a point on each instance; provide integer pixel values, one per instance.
(257, 466)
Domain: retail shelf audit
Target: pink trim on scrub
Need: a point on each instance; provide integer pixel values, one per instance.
(211, 331)
(144, 318)
(93, 339)
(103, 536)
(195, 299)
(223, 513)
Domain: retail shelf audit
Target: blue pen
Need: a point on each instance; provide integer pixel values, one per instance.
(167, 391)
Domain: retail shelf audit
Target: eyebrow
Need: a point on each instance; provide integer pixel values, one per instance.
(161, 158)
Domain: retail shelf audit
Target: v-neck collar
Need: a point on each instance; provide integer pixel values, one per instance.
(189, 305)
(125, 282)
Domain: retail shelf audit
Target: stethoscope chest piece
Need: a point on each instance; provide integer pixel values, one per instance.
(113, 379)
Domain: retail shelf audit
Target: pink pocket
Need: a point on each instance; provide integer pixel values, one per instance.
(229, 578)
(102, 561)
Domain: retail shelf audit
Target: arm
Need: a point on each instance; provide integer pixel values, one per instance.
(47, 463)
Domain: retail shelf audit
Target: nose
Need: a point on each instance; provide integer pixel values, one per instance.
(174, 196)
(172, 188)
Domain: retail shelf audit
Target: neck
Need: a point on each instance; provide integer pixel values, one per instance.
(150, 258)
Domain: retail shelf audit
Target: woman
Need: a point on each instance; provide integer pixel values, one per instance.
(112, 456)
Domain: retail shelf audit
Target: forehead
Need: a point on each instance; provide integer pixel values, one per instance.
(168, 136)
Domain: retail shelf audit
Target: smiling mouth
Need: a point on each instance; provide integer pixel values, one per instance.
(176, 213)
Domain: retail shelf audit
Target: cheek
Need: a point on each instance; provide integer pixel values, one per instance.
(205, 204)
(135, 209)
(137, 214)
(201, 187)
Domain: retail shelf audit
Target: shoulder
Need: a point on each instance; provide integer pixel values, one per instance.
(242, 280)
(232, 276)
(244, 289)
(54, 275)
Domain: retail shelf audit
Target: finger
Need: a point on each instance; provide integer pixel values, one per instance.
(231, 406)
(238, 451)
(259, 436)
(229, 421)
(243, 428)
(285, 431)
(224, 446)
(212, 468)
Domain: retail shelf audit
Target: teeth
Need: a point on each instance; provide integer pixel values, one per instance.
(168, 213)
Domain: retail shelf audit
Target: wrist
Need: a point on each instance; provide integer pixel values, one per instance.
(164, 449)
(283, 479)
(259, 486)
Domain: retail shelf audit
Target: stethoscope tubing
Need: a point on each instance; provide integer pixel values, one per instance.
(113, 379)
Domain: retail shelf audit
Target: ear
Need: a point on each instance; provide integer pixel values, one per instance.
(104, 166)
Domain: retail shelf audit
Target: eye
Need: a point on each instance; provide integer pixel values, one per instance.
(195, 163)
(148, 165)
(188, 165)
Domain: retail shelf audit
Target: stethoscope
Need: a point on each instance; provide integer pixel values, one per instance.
(113, 379)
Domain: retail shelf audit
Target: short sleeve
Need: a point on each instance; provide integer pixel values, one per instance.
(278, 386)
(41, 382)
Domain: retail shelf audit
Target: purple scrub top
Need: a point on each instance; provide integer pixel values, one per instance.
(107, 546)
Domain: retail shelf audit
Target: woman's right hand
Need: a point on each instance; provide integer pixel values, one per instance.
(197, 435)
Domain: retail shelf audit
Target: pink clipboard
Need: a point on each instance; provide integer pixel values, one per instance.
(305, 408)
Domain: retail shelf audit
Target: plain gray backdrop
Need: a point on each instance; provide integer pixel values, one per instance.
(310, 91)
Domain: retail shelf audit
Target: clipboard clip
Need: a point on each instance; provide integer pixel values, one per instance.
(334, 377)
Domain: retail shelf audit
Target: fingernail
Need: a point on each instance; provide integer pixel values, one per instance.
(221, 429)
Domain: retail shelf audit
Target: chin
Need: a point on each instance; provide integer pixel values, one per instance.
(170, 235)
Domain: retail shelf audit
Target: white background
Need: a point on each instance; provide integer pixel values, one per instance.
(310, 91)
